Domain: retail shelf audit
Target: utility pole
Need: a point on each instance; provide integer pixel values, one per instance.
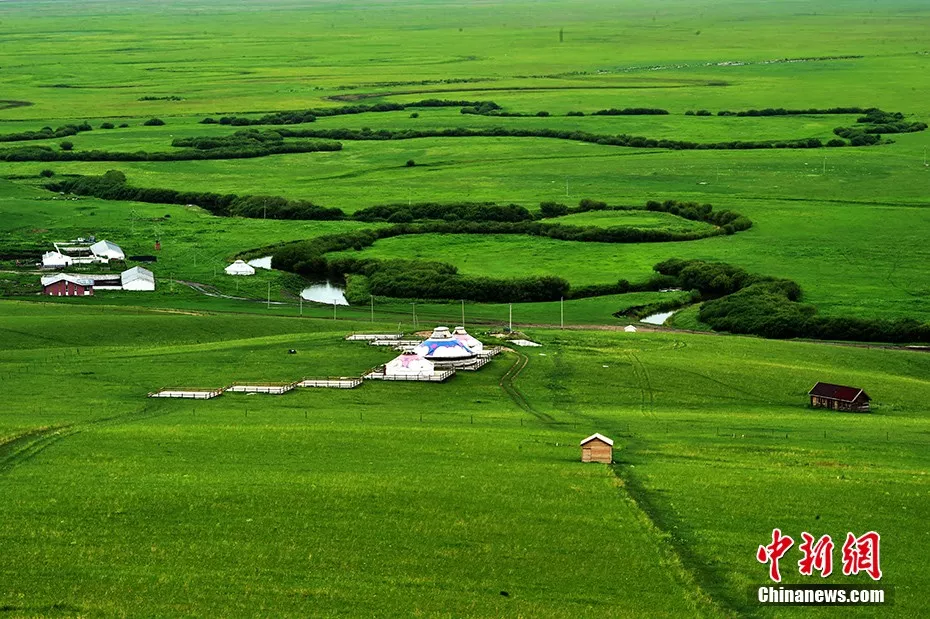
(511, 317)
(414, 314)
(301, 297)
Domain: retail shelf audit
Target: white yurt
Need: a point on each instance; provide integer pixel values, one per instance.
(443, 347)
(462, 336)
(629, 329)
(239, 267)
(410, 364)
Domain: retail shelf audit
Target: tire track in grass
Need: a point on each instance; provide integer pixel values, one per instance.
(23, 447)
(507, 384)
(691, 570)
(645, 386)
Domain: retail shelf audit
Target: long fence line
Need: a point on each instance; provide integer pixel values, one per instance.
(620, 431)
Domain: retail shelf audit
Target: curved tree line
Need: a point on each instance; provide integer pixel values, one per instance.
(737, 301)
(237, 150)
(464, 217)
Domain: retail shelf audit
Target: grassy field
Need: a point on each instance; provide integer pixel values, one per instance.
(330, 500)
(464, 498)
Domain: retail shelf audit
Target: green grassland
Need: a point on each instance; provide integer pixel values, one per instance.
(464, 498)
(434, 498)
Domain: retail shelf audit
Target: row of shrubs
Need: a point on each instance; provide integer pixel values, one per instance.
(453, 218)
(406, 278)
(780, 111)
(729, 221)
(562, 134)
(297, 117)
(421, 279)
(468, 211)
(46, 133)
(112, 186)
(238, 150)
(771, 307)
(489, 108)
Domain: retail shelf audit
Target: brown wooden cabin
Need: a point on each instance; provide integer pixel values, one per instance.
(839, 398)
(597, 448)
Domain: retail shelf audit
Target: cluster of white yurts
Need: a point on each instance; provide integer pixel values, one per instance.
(442, 350)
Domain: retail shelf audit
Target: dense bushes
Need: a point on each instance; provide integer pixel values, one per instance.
(866, 132)
(771, 307)
(410, 279)
(112, 186)
(237, 150)
(780, 111)
(469, 211)
(421, 280)
(729, 221)
(561, 134)
(297, 117)
(433, 217)
(631, 111)
(46, 133)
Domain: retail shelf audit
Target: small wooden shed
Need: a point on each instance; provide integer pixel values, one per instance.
(839, 398)
(597, 448)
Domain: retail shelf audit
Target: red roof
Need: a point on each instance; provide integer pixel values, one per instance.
(838, 392)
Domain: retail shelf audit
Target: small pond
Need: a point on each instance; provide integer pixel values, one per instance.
(325, 292)
(657, 319)
(261, 263)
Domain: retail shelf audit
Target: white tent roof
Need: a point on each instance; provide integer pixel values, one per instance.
(80, 281)
(630, 329)
(107, 249)
(461, 335)
(239, 267)
(442, 346)
(409, 363)
(131, 275)
(597, 436)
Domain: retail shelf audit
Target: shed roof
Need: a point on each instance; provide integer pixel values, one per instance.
(48, 280)
(131, 275)
(105, 247)
(837, 392)
(599, 437)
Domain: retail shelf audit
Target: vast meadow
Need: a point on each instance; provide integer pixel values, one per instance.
(464, 498)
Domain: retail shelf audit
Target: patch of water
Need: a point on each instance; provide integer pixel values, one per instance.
(657, 319)
(261, 263)
(325, 292)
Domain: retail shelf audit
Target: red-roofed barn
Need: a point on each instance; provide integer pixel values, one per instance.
(839, 398)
